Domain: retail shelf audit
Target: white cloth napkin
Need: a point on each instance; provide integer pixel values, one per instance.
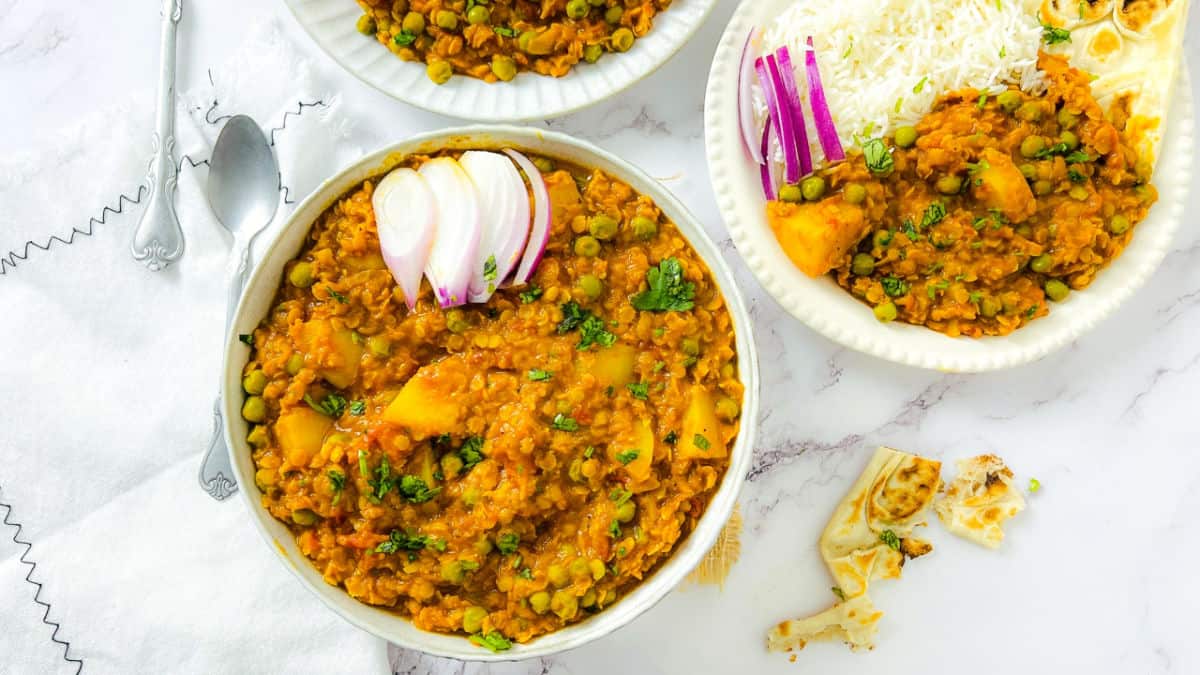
(108, 374)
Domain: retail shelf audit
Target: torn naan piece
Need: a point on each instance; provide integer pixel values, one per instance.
(853, 622)
(1133, 50)
(871, 532)
(978, 501)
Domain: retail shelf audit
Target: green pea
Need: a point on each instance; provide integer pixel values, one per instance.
(524, 39)
(862, 264)
(1118, 224)
(257, 437)
(690, 346)
(504, 68)
(602, 227)
(579, 567)
(558, 575)
(614, 14)
(886, 312)
(589, 598)
(1067, 119)
(592, 53)
(453, 572)
(1030, 111)
(791, 194)
(456, 321)
(1042, 263)
(452, 464)
(1031, 146)
(643, 227)
(813, 188)
(1043, 187)
(1079, 193)
(622, 39)
(728, 409)
(473, 617)
(882, 238)
(439, 71)
(588, 247)
(1009, 100)
(949, 184)
(295, 364)
(591, 286)
(544, 164)
(989, 307)
(906, 137)
(414, 23)
(478, 15)
(626, 511)
(301, 275)
(1029, 171)
(446, 20)
(1069, 139)
(540, 602)
(366, 24)
(577, 9)
(305, 517)
(254, 381)
(854, 193)
(254, 409)
(1057, 290)
(564, 604)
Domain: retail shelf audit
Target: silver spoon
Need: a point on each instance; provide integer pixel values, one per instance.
(243, 189)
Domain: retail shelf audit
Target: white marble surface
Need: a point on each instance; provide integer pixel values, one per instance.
(1097, 576)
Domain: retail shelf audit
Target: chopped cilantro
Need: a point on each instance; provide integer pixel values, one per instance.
(1052, 150)
(471, 452)
(671, 438)
(405, 38)
(668, 291)
(335, 295)
(894, 287)
(362, 464)
(526, 573)
(983, 98)
(507, 543)
(382, 483)
(539, 375)
(505, 31)
(332, 405)
(628, 456)
(614, 528)
(337, 480)
(1075, 176)
(489, 268)
(839, 593)
(1030, 312)
(878, 157)
(399, 540)
(932, 289)
(920, 85)
(976, 297)
(587, 453)
(493, 641)
(358, 408)
(934, 213)
(562, 422)
(530, 295)
(438, 545)
(701, 442)
(909, 230)
(415, 490)
(639, 390)
(593, 332)
(888, 537)
(1078, 157)
(620, 495)
(246, 339)
(1053, 36)
(573, 317)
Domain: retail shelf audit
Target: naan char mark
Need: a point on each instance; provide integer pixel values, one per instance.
(1148, 19)
(854, 622)
(978, 501)
(1071, 13)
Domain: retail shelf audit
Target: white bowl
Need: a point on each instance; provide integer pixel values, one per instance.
(831, 311)
(260, 292)
(331, 23)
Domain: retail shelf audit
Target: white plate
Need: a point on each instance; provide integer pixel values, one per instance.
(260, 293)
(331, 23)
(834, 313)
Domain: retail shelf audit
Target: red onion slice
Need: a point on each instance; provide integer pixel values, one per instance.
(791, 97)
(764, 168)
(746, 99)
(458, 230)
(539, 233)
(827, 134)
(405, 217)
(504, 211)
(768, 74)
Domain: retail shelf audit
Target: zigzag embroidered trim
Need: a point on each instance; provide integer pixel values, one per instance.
(12, 258)
(25, 559)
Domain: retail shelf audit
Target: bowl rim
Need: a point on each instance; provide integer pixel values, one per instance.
(260, 292)
(548, 97)
(819, 303)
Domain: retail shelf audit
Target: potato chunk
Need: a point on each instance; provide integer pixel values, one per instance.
(998, 183)
(335, 352)
(300, 432)
(612, 367)
(639, 440)
(701, 437)
(565, 201)
(426, 405)
(817, 235)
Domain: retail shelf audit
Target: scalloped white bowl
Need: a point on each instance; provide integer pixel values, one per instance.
(834, 313)
(256, 302)
(331, 23)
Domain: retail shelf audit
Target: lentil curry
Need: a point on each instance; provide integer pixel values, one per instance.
(505, 469)
(976, 219)
(494, 40)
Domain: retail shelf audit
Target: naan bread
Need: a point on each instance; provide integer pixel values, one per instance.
(853, 622)
(870, 533)
(977, 502)
(1133, 48)
(868, 537)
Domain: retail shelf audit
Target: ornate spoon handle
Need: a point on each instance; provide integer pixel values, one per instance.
(158, 239)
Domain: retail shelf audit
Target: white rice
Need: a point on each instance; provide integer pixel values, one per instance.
(884, 62)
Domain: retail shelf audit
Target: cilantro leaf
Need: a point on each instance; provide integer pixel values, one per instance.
(933, 215)
(639, 390)
(701, 442)
(626, 457)
(620, 495)
(839, 593)
(246, 339)
(539, 375)
(358, 408)
(337, 480)
(405, 38)
(888, 537)
(493, 641)
(335, 295)
(593, 332)
(471, 452)
(573, 317)
(893, 287)
(668, 291)
(507, 543)
(414, 489)
(332, 405)
(562, 422)
(530, 295)
(879, 159)
(505, 31)
(1053, 36)
(399, 540)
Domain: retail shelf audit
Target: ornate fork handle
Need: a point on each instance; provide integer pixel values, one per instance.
(158, 238)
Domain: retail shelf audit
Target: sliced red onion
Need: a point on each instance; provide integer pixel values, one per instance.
(764, 168)
(458, 230)
(768, 75)
(791, 99)
(826, 132)
(405, 217)
(539, 233)
(746, 99)
(504, 212)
